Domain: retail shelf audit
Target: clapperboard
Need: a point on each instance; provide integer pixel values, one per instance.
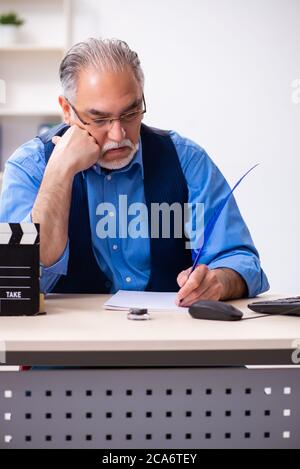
(19, 269)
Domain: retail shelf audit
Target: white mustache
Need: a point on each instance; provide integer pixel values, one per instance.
(114, 145)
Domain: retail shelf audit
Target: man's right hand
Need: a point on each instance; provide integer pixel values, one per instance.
(75, 151)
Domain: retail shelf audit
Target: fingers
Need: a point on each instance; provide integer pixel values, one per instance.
(78, 148)
(211, 293)
(81, 131)
(202, 284)
(93, 140)
(183, 276)
(75, 133)
(193, 282)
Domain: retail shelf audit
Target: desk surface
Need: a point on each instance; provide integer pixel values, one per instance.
(78, 331)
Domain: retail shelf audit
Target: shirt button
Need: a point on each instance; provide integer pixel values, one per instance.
(108, 177)
(128, 279)
(115, 247)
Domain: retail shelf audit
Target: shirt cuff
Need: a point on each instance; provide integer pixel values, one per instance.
(61, 266)
(249, 269)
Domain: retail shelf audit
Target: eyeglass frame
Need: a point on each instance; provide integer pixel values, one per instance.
(107, 119)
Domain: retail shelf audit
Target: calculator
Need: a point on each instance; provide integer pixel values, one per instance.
(287, 306)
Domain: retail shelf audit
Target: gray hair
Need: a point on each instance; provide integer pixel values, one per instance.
(104, 54)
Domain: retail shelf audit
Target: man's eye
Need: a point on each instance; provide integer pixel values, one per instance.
(130, 115)
(100, 121)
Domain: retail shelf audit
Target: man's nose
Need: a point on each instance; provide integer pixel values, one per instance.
(116, 132)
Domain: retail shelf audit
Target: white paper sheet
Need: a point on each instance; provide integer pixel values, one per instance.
(124, 300)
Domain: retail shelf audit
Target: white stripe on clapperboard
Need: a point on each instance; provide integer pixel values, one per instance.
(29, 233)
(5, 233)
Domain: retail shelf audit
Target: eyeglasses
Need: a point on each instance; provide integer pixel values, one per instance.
(107, 122)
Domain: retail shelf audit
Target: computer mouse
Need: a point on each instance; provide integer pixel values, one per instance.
(215, 310)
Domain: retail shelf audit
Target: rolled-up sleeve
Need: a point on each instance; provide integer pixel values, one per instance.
(247, 264)
(51, 274)
(22, 178)
(230, 244)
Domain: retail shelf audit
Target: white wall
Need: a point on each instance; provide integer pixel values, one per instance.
(221, 72)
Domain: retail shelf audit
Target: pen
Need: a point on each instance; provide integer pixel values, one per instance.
(212, 222)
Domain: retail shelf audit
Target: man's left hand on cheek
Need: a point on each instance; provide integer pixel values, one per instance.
(201, 284)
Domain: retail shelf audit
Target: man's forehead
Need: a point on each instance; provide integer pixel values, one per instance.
(107, 91)
(106, 81)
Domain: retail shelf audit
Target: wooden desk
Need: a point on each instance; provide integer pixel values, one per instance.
(78, 331)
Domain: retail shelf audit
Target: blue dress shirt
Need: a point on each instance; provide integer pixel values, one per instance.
(124, 260)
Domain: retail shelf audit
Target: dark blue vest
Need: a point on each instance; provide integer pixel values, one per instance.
(163, 182)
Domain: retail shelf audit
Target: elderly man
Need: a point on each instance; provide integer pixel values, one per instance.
(102, 153)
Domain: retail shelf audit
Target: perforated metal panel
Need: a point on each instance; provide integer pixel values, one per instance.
(150, 408)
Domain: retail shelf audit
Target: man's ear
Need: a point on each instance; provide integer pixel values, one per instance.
(66, 109)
